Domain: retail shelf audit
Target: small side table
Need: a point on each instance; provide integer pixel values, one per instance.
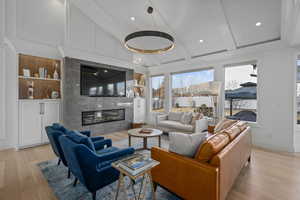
(136, 133)
(146, 179)
(211, 129)
(137, 125)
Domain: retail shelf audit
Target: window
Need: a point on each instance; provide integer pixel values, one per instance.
(158, 93)
(298, 92)
(240, 92)
(186, 91)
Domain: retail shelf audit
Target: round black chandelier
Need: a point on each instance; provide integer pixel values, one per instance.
(163, 36)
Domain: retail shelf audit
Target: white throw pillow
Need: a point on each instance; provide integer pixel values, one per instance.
(175, 116)
(185, 144)
(201, 125)
(186, 118)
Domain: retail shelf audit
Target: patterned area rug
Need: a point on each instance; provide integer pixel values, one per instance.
(64, 190)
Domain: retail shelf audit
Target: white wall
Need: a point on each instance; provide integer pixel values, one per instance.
(47, 28)
(276, 70)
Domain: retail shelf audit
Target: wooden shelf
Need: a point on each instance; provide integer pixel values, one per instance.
(37, 78)
(43, 88)
(139, 86)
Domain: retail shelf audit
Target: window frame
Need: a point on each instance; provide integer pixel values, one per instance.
(151, 94)
(251, 62)
(187, 71)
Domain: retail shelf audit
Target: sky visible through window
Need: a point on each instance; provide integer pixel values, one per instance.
(192, 78)
(157, 81)
(234, 76)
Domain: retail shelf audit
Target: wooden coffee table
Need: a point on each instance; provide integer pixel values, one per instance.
(136, 133)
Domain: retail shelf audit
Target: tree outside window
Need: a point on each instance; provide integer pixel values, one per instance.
(241, 92)
(158, 93)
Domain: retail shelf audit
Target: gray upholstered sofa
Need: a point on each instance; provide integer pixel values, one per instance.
(180, 122)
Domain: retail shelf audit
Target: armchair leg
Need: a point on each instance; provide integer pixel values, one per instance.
(94, 195)
(59, 160)
(249, 159)
(155, 186)
(69, 173)
(75, 182)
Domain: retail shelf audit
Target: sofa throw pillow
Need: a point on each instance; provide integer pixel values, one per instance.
(175, 116)
(232, 132)
(79, 138)
(201, 125)
(223, 124)
(211, 147)
(196, 116)
(185, 144)
(186, 118)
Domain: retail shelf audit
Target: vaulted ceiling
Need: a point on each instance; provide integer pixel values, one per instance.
(223, 25)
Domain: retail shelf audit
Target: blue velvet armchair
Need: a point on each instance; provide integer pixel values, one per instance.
(92, 169)
(55, 131)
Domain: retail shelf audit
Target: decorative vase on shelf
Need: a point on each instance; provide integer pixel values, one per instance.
(30, 90)
(55, 74)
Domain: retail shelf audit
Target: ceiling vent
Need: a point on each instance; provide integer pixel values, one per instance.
(258, 43)
(208, 54)
(173, 61)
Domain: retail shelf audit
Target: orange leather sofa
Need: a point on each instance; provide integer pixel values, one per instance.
(204, 178)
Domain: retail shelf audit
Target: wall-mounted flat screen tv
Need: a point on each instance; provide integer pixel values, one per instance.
(102, 82)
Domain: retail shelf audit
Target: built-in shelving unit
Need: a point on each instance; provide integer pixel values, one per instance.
(39, 78)
(139, 85)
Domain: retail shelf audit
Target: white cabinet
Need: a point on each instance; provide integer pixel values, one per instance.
(139, 110)
(34, 116)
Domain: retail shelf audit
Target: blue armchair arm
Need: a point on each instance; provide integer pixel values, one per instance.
(86, 132)
(92, 163)
(116, 155)
(101, 144)
(97, 138)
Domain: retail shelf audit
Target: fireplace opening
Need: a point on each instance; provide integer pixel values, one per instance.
(102, 116)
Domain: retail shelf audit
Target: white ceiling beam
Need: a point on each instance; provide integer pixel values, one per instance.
(178, 42)
(290, 22)
(100, 17)
(227, 31)
(104, 20)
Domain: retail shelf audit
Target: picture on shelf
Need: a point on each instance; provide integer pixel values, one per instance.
(26, 72)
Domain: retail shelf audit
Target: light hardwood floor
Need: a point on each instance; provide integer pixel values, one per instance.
(270, 176)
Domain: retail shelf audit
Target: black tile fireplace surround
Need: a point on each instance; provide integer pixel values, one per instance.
(74, 104)
(102, 116)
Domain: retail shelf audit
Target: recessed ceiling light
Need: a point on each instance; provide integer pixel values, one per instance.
(201, 41)
(132, 18)
(258, 24)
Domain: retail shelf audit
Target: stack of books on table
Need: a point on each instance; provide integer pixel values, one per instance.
(137, 163)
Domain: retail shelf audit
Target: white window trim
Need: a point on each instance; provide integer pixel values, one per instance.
(251, 62)
(150, 93)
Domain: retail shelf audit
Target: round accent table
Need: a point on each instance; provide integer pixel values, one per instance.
(136, 133)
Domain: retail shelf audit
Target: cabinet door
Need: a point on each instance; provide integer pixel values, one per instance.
(30, 123)
(51, 114)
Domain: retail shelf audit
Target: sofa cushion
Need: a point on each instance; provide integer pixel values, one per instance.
(232, 132)
(186, 118)
(185, 144)
(59, 127)
(223, 124)
(176, 125)
(79, 138)
(211, 147)
(242, 125)
(175, 116)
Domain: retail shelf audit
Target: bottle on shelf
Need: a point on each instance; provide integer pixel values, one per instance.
(30, 90)
(55, 74)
